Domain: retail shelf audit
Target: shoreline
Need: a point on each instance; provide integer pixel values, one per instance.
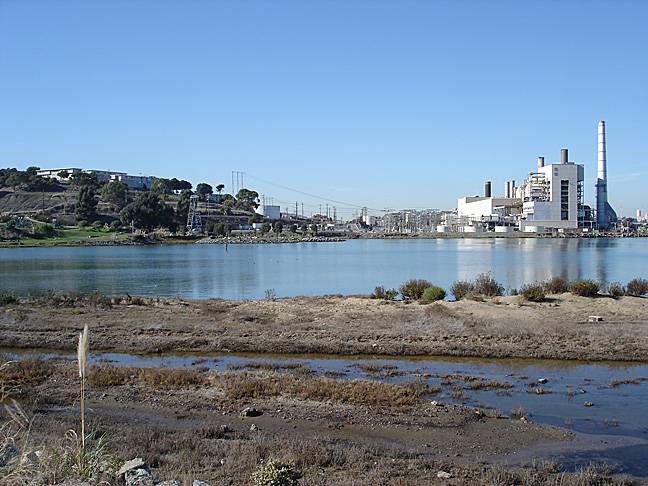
(502, 327)
(252, 240)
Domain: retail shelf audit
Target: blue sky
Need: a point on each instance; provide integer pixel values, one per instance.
(384, 104)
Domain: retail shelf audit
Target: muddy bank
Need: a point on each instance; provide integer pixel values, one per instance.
(497, 328)
(188, 423)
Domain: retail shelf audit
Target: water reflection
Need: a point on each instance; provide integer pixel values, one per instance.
(352, 267)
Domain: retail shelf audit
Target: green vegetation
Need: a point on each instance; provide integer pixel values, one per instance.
(204, 190)
(616, 290)
(86, 205)
(637, 287)
(26, 180)
(556, 285)
(413, 289)
(115, 194)
(533, 292)
(462, 289)
(7, 297)
(584, 288)
(274, 473)
(148, 211)
(433, 293)
(247, 200)
(483, 286)
(487, 286)
(383, 294)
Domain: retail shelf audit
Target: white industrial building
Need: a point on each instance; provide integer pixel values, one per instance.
(270, 211)
(553, 195)
(550, 198)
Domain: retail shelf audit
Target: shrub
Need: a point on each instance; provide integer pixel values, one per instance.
(487, 286)
(616, 290)
(7, 297)
(584, 288)
(115, 225)
(414, 288)
(433, 293)
(637, 287)
(556, 285)
(274, 473)
(462, 289)
(97, 224)
(44, 231)
(381, 293)
(533, 292)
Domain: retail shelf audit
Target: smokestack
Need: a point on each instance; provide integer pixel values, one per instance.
(507, 193)
(602, 156)
(487, 189)
(540, 163)
(564, 156)
(513, 188)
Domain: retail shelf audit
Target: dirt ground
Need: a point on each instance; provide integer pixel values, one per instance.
(497, 328)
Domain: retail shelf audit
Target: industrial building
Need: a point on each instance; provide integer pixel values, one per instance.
(551, 198)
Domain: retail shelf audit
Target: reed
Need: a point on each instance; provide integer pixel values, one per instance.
(82, 355)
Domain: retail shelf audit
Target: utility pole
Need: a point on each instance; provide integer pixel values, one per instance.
(302, 210)
(296, 209)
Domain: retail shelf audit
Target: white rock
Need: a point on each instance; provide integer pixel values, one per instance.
(444, 475)
(138, 477)
(137, 463)
(198, 482)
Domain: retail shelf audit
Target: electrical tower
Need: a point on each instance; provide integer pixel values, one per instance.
(194, 223)
(237, 181)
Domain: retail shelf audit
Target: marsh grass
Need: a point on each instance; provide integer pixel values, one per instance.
(104, 376)
(359, 392)
(272, 366)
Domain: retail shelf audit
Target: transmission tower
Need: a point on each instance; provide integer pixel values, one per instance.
(194, 223)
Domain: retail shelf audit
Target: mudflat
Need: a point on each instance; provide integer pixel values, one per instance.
(500, 327)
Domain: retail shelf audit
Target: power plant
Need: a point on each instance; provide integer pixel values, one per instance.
(551, 198)
(605, 215)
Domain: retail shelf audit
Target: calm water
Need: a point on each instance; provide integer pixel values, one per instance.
(351, 267)
(616, 411)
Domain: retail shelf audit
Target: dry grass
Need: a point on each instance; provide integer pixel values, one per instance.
(358, 392)
(106, 376)
(626, 381)
(15, 375)
(272, 366)
(382, 371)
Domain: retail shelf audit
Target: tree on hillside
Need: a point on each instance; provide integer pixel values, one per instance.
(63, 174)
(80, 179)
(148, 211)
(265, 228)
(203, 189)
(86, 205)
(180, 185)
(182, 210)
(219, 188)
(116, 194)
(277, 227)
(162, 186)
(226, 207)
(247, 200)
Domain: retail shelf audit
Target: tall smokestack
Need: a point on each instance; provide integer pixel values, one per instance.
(540, 163)
(507, 192)
(602, 158)
(487, 189)
(604, 212)
(564, 156)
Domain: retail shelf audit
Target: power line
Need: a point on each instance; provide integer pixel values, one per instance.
(315, 196)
